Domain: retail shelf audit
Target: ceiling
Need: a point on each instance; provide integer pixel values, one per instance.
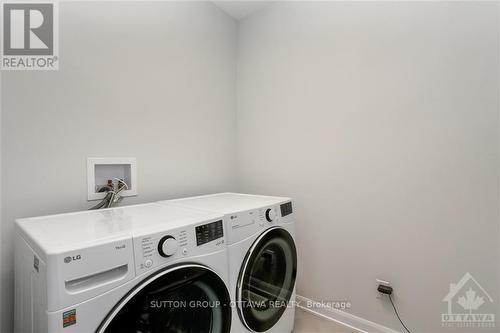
(240, 9)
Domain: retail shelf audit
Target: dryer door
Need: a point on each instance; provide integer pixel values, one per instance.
(183, 299)
(267, 280)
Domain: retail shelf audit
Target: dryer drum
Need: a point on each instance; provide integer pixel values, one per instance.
(184, 299)
(267, 280)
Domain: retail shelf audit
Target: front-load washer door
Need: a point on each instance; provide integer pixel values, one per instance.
(267, 280)
(188, 298)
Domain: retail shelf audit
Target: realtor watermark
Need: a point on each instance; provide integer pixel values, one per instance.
(468, 303)
(318, 305)
(30, 38)
(256, 304)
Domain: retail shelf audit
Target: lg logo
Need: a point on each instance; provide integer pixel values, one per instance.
(69, 259)
(28, 29)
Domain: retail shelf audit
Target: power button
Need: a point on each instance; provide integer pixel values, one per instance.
(148, 263)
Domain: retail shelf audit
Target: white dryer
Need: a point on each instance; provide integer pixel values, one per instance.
(262, 258)
(143, 268)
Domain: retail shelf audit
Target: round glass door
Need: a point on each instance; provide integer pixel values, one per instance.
(183, 299)
(267, 280)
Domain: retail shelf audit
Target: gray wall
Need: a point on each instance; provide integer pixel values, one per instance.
(381, 120)
(150, 80)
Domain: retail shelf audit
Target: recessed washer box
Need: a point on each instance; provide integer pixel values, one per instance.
(102, 169)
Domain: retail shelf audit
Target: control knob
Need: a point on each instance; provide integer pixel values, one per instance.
(167, 246)
(270, 215)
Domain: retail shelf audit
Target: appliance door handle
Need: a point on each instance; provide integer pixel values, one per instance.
(95, 280)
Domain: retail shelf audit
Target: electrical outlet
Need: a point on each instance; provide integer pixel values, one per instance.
(381, 282)
(385, 283)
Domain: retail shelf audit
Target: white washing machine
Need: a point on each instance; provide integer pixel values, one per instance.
(262, 258)
(145, 268)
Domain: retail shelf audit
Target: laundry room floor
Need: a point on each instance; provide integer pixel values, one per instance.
(309, 323)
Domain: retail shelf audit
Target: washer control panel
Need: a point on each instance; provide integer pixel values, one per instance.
(161, 248)
(208, 232)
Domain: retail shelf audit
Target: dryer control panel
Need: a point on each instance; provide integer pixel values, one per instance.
(160, 248)
(244, 224)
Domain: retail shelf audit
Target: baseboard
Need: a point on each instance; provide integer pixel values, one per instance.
(343, 318)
